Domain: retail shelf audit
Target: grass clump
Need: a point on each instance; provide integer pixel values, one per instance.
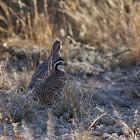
(68, 101)
(13, 101)
(136, 72)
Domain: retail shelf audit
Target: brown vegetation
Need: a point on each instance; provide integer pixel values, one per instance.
(110, 26)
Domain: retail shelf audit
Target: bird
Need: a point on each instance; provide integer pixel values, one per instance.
(43, 69)
(44, 92)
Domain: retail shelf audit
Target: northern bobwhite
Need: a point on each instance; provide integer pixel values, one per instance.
(42, 70)
(45, 90)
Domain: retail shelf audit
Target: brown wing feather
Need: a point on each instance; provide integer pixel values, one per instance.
(44, 91)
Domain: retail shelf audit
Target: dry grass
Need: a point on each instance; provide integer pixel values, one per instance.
(36, 29)
(69, 100)
(13, 96)
(110, 26)
(17, 107)
(136, 72)
(72, 105)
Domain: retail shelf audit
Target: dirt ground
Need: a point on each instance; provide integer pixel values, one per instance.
(110, 94)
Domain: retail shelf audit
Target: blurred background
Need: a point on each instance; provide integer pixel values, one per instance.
(97, 35)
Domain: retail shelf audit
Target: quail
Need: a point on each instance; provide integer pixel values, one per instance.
(46, 89)
(43, 69)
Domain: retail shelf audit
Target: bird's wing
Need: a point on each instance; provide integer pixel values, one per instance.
(53, 82)
(39, 70)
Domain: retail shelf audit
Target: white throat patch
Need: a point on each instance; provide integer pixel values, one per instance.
(59, 67)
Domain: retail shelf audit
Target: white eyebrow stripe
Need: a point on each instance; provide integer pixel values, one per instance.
(58, 63)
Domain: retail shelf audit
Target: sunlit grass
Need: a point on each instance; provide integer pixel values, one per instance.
(110, 26)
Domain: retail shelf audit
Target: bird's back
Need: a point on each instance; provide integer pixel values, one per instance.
(43, 69)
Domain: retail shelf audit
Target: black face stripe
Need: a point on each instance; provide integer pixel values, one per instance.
(60, 59)
(59, 62)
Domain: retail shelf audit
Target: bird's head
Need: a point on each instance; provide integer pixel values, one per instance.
(59, 64)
